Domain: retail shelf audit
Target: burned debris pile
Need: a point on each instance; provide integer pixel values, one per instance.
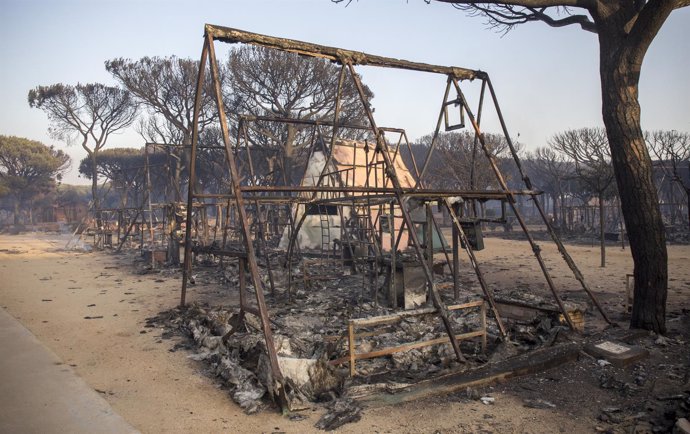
(310, 335)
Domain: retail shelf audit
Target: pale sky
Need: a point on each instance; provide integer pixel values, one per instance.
(546, 79)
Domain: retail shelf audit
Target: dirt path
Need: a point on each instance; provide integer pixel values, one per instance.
(90, 309)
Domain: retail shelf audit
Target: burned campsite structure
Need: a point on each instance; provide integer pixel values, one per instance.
(357, 229)
(144, 207)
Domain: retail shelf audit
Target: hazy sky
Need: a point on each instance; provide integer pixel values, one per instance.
(546, 79)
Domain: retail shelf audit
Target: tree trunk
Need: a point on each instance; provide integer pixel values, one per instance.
(554, 206)
(16, 211)
(96, 200)
(289, 154)
(687, 196)
(602, 233)
(173, 224)
(94, 185)
(620, 72)
(177, 181)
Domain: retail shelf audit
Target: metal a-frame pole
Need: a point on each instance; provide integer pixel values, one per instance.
(277, 389)
(434, 138)
(390, 169)
(511, 199)
(187, 267)
(475, 266)
(456, 223)
(528, 183)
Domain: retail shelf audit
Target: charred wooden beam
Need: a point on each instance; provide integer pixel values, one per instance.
(491, 373)
(338, 55)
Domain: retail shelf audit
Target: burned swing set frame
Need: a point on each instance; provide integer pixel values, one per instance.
(392, 192)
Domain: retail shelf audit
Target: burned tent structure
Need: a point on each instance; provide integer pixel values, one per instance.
(360, 187)
(327, 224)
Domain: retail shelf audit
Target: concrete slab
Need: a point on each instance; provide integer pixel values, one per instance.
(40, 394)
(616, 353)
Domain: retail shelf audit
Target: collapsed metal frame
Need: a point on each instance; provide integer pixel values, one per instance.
(394, 193)
(159, 213)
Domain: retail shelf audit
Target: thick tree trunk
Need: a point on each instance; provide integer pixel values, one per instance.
(633, 168)
(177, 181)
(554, 206)
(289, 154)
(96, 200)
(94, 185)
(687, 196)
(602, 232)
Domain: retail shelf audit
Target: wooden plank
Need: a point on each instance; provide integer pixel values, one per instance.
(524, 364)
(385, 319)
(395, 317)
(336, 338)
(468, 305)
(415, 345)
(218, 252)
(405, 347)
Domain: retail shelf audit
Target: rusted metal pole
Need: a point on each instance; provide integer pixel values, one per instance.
(499, 177)
(475, 265)
(336, 114)
(456, 263)
(393, 289)
(129, 230)
(429, 237)
(561, 248)
(187, 267)
(390, 168)
(434, 138)
(473, 183)
(407, 191)
(277, 389)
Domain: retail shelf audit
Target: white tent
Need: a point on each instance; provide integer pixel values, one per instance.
(353, 164)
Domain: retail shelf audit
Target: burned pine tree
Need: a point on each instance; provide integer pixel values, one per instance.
(89, 114)
(588, 150)
(672, 149)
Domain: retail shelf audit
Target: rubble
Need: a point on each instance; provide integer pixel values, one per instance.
(310, 335)
(235, 351)
(340, 412)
